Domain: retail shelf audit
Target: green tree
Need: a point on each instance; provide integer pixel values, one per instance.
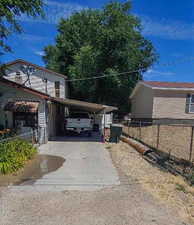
(10, 10)
(96, 42)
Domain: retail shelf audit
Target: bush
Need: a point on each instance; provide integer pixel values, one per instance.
(191, 177)
(14, 154)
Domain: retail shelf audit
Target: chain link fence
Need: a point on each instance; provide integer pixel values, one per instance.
(173, 139)
(31, 136)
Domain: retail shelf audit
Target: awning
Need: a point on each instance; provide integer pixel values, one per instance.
(22, 106)
(86, 106)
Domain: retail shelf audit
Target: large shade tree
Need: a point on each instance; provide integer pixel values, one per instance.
(96, 42)
(10, 11)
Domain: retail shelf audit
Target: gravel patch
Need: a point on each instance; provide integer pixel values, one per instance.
(121, 206)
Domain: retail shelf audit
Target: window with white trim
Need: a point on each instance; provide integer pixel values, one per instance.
(57, 89)
(18, 77)
(190, 103)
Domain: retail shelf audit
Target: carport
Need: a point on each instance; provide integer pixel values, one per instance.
(85, 106)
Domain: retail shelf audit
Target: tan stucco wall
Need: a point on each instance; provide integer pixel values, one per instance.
(142, 103)
(170, 104)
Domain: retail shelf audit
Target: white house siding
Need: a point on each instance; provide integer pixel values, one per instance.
(142, 103)
(11, 94)
(171, 104)
(52, 120)
(36, 80)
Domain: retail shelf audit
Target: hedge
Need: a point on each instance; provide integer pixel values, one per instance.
(14, 154)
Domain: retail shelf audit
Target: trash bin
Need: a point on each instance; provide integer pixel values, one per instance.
(115, 132)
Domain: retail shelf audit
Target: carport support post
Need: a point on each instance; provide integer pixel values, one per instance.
(104, 124)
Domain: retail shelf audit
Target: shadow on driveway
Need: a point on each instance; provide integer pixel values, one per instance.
(96, 137)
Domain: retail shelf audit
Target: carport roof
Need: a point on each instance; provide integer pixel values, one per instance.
(86, 106)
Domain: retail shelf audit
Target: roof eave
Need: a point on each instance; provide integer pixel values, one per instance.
(15, 85)
(140, 83)
(173, 89)
(37, 66)
(87, 106)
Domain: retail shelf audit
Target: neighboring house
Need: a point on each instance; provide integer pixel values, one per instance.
(163, 101)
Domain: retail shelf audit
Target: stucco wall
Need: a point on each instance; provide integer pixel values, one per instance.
(36, 80)
(170, 104)
(142, 103)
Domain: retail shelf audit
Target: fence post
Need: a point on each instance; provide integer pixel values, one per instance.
(158, 136)
(191, 144)
(140, 130)
(128, 126)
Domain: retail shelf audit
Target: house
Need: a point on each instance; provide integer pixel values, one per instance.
(26, 84)
(37, 77)
(23, 108)
(164, 102)
(33, 98)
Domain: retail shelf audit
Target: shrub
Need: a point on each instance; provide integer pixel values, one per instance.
(14, 154)
(191, 177)
(181, 187)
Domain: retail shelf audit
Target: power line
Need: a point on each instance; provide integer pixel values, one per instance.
(104, 75)
(134, 71)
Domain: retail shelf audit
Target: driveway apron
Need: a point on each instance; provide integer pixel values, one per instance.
(87, 166)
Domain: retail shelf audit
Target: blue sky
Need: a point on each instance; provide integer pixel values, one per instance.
(169, 24)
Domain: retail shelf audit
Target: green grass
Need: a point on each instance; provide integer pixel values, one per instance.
(180, 187)
(191, 177)
(14, 154)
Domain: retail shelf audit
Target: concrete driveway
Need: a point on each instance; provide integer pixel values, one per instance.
(88, 165)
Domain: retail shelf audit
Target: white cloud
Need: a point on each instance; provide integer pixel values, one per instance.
(54, 11)
(165, 28)
(151, 73)
(39, 53)
(31, 37)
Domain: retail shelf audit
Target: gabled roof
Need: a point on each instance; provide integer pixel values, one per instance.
(23, 88)
(181, 86)
(169, 84)
(36, 66)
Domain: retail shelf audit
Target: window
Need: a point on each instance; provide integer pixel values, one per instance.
(57, 89)
(25, 119)
(190, 103)
(45, 81)
(18, 77)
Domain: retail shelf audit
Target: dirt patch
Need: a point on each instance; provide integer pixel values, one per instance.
(165, 187)
(34, 169)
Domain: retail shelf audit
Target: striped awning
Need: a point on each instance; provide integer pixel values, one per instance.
(22, 106)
